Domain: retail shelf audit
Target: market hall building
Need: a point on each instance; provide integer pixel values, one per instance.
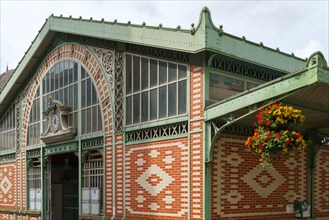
(109, 120)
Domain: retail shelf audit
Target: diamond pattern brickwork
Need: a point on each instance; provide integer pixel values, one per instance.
(242, 188)
(7, 185)
(156, 180)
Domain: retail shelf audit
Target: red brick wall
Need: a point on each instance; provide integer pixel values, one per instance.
(196, 142)
(321, 184)
(242, 189)
(156, 177)
(8, 187)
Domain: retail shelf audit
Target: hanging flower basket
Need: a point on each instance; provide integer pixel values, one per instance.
(273, 137)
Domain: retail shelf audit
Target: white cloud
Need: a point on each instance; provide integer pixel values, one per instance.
(308, 49)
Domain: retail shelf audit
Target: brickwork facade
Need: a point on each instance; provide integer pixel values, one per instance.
(321, 184)
(164, 178)
(242, 189)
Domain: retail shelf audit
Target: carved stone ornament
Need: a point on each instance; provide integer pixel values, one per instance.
(57, 130)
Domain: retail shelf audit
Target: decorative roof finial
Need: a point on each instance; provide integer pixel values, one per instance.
(7, 68)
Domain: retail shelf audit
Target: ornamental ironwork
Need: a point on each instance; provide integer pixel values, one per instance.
(91, 41)
(244, 69)
(105, 58)
(235, 129)
(165, 131)
(92, 143)
(158, 53)
(8, 158)
(118, 91)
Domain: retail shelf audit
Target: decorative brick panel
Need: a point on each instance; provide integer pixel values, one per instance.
(8, 188)
(157, 180)
(321, 184)
(242, 189)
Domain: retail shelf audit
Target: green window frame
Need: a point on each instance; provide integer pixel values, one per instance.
(155, 89)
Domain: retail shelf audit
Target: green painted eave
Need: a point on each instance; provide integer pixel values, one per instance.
(315, 73)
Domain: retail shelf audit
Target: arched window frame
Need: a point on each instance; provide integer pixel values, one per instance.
(81, 80)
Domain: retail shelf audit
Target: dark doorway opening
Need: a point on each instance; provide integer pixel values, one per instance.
(64, 199)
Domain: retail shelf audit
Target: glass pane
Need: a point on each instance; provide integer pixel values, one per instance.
(83, 73)
(83, 121)
(162, 72)
(94, 95)
(172, 99)
(100, 122)
(182, 70)
(44, 85)
(251, 85)
(145, 106)
(70, 65)
(153, 73)
(61, 74)
(136, 109)
(223, 87)
(75, 97)
(94, 120)
(56, 76)
(71, 97)
(128, 75)
(52, 81)
(182, 97)
(66, 73)
(66, 97)
(163, 102)
(83, 94)
(153, 104)
(89, 120)
(128, 110)
(136, 73)
(145, 73)
(88, 87)
(172, 72)
(75, 72)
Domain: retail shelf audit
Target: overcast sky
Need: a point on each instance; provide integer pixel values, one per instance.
(299, 27)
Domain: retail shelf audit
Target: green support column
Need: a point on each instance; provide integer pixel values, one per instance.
(207, 175)
(311, 152)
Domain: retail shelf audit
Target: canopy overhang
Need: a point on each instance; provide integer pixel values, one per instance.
(307, 90)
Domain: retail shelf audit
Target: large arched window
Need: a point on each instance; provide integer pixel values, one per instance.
(70, 83)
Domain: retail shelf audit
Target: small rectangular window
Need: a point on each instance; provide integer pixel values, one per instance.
(128, 110)
(145, 106)
(153, 104)
(145, 73)
(128, 75)
(172, 72)
(162, 72)
(136, 109)
(181, 71)
(172, 99)
(153, 73)
(136, 75)
(163, 102)
(182, 99)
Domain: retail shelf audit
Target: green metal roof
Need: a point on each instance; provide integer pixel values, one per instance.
(205, 36)
(307, 89)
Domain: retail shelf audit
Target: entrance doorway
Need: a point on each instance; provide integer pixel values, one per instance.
(63, 187)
